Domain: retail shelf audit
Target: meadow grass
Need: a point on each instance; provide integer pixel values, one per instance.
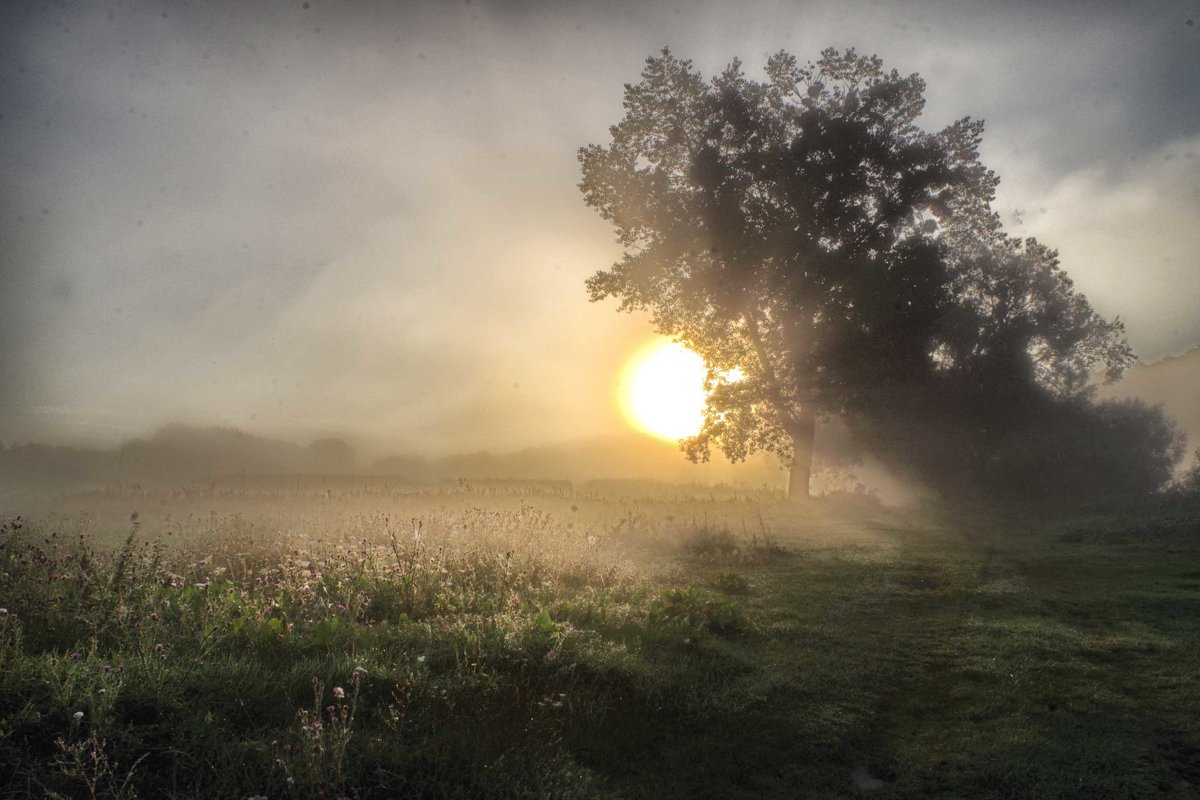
(516, 645)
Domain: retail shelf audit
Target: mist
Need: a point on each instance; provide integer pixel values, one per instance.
(602, 400)
(309, 220)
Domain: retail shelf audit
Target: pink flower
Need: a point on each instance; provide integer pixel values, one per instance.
(339, 692)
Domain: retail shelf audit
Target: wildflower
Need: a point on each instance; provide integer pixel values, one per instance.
(154, 616)
(158, 647)
(420, 659)
(107, 668)
(78, 715)
(76, 656)
(3, 612)
(317, 725)
(339, 691)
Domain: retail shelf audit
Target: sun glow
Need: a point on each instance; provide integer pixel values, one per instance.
(662, 391)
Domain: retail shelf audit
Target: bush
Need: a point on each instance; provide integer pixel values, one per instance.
(731, 583)
(1023, 447)
(711, 543)
(697, 612)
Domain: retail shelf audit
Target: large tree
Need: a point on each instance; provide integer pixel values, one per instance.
(821, 251)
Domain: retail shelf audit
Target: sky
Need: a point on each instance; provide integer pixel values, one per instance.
(363, 219)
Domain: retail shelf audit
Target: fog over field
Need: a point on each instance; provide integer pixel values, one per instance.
(315, 219)
(599, 399)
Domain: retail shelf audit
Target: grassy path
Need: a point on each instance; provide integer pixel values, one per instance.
(949, 665)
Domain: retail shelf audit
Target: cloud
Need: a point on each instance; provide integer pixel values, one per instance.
(363, 218)
(1127, 234)
(1174, 383)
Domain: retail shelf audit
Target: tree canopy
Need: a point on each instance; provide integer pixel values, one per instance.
(825, 254)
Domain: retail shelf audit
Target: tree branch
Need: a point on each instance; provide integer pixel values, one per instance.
(773, 387)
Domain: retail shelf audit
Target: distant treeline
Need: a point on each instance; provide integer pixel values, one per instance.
(175, 454)
(1065, 455)
(230, 458)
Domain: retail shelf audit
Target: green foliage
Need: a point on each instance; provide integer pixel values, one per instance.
(542, 632)
(695, 612)
(1025, 448)
(731, 583)
(711, 543)
(719, 545)
(323, 631)
(1022, 660)
(155, 671)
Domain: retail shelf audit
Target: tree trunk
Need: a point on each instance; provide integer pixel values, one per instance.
(803, 437)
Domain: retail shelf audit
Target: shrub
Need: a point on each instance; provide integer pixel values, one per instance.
(731, 583)
(697, 612)
(711, 543)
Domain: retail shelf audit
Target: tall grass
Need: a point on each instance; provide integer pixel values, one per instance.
(438, 655)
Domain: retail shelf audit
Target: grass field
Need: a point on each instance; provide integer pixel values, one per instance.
(535, 644)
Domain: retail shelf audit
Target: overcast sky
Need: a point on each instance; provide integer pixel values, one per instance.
(362, 219)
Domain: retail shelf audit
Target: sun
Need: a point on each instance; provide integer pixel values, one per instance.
(662, 390)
